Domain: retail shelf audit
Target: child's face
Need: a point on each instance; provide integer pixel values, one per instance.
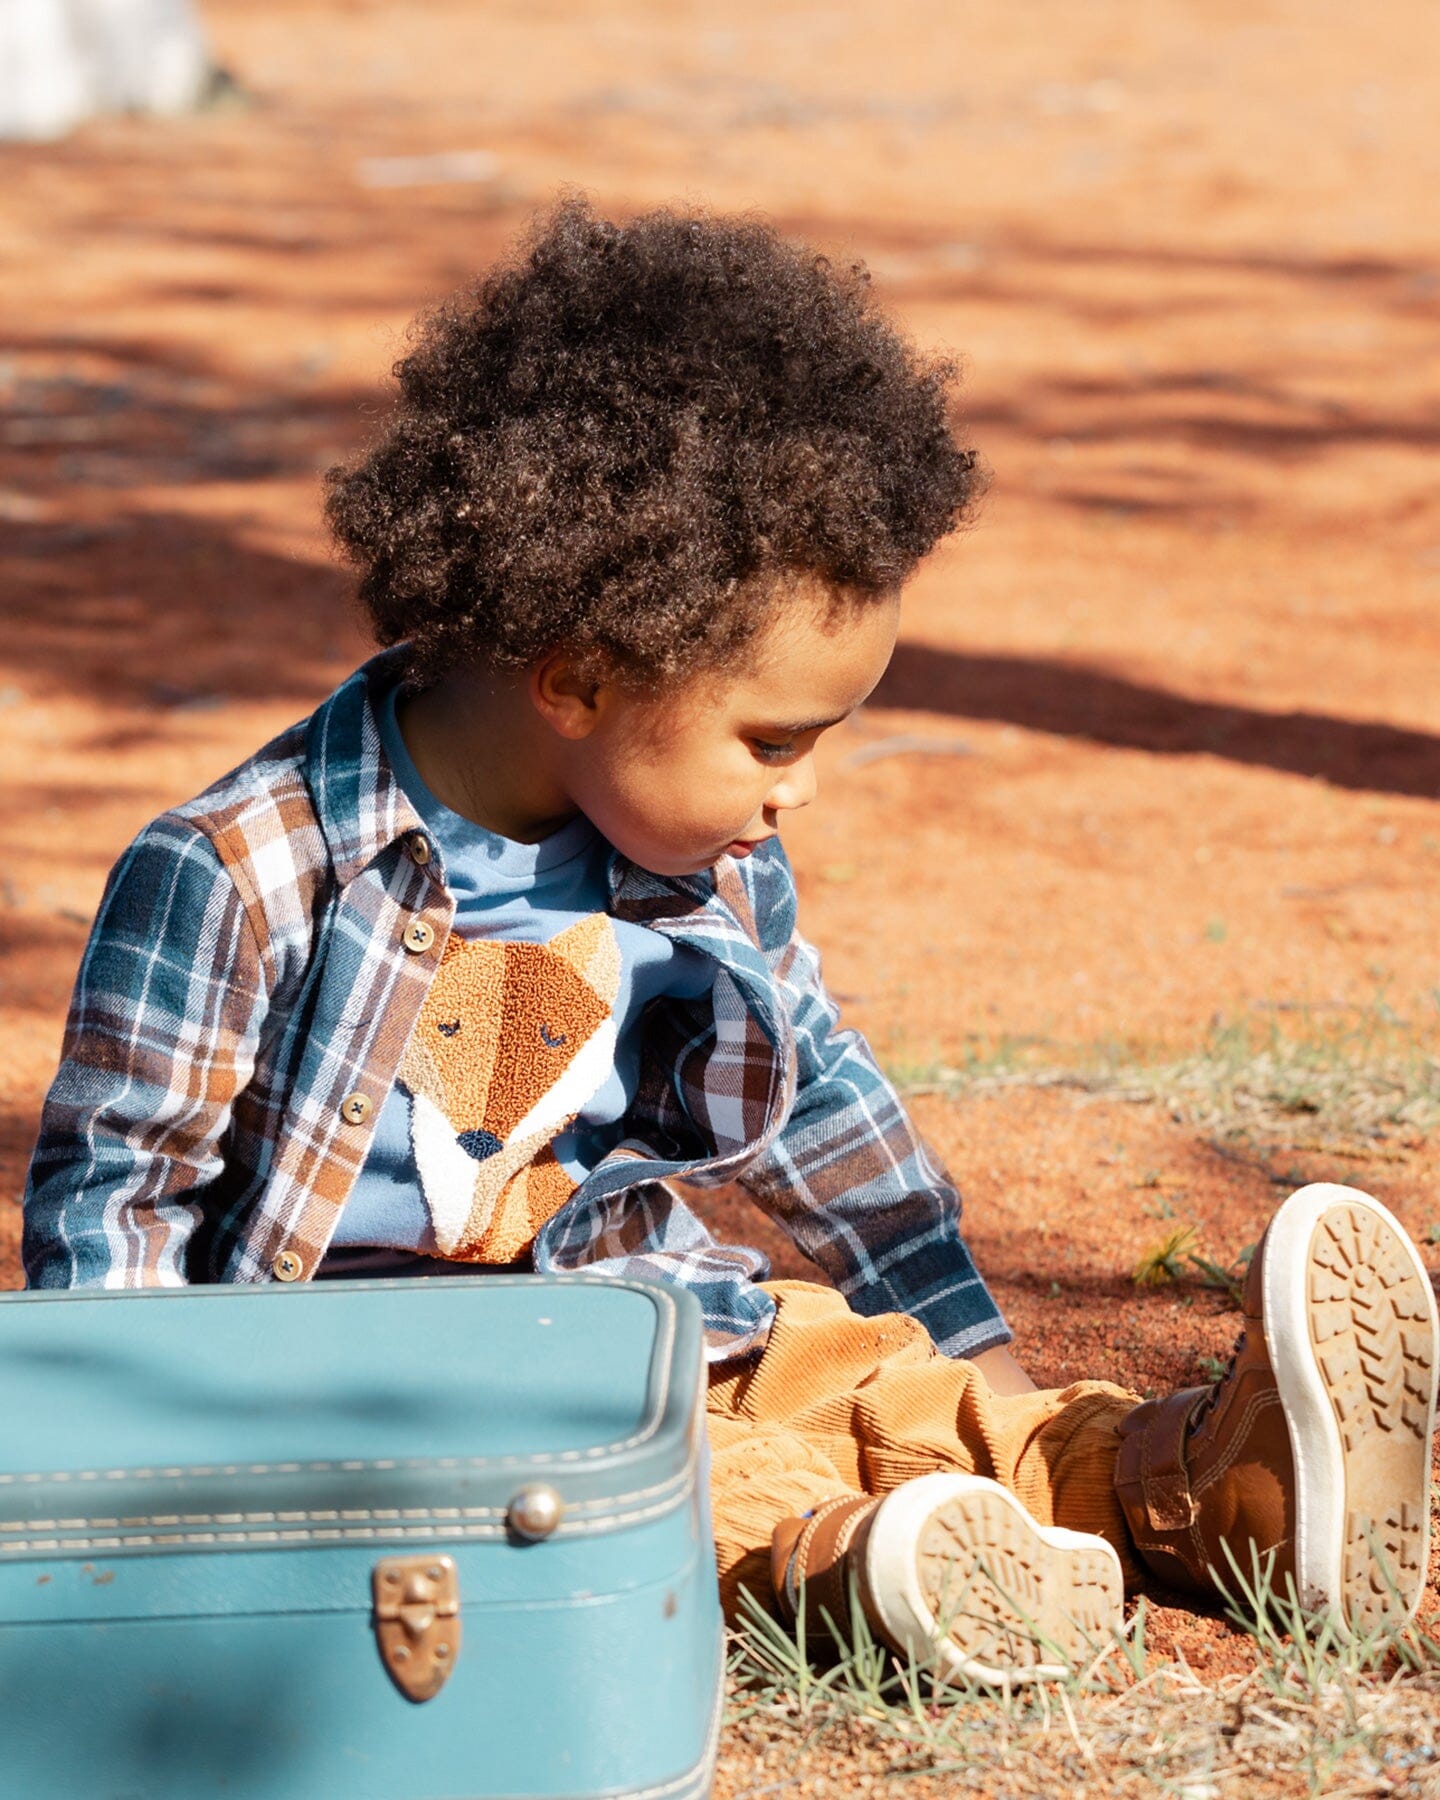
(677, 781)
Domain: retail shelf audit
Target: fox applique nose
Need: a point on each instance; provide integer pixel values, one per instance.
(479, 1143)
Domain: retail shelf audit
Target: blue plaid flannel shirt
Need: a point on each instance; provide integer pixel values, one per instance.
(246, 996)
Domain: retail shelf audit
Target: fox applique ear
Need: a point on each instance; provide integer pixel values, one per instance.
(591, 950)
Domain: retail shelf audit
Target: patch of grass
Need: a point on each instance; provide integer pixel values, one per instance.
(1167, 1260)
(999, 1059)
(1316, 1713)
(1350, 1082)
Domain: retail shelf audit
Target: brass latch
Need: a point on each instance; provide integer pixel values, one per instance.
(417, 1621)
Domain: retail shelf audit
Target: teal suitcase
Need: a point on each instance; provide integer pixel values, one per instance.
(356, 1541)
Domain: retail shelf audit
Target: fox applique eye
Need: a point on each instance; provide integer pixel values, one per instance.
(552, 1043)
(450, 1029)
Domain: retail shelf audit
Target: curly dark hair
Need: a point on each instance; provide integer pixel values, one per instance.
(626, 438)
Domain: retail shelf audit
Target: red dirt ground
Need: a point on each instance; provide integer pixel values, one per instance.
(1177, 690)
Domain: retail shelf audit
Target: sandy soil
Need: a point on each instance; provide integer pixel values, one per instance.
(1179, 741)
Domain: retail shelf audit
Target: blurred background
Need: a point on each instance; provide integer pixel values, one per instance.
(1159, 750)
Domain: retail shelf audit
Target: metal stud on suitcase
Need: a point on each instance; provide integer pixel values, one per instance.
(386, 1540)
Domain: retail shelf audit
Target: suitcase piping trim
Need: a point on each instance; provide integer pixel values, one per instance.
(456, 1523)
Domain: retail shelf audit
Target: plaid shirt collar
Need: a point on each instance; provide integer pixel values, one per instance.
(360, 806)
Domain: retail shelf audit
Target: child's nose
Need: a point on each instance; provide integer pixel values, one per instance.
(796, 787)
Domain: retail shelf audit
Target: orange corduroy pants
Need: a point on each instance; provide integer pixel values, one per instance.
(840, 1404)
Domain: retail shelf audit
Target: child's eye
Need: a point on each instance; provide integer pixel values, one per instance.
(768, 752)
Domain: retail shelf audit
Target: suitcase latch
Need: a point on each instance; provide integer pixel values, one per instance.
(417, 1621)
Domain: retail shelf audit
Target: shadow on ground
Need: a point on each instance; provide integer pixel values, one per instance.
(118, 587)
(1071, 700)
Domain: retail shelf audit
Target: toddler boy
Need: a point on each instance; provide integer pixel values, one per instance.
(480, 963)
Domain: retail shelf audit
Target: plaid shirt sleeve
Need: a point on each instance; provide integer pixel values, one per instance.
(161, 1036)
(850, 1180)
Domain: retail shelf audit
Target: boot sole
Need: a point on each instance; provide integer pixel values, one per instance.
(960, 1573)
(1352, 1334)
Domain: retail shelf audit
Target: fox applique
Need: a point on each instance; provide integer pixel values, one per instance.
(513, 1039)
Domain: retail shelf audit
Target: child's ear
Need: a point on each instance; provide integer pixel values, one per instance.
(566, 697)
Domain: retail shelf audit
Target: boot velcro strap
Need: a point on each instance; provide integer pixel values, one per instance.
(1151, 1468)
(820, 1563)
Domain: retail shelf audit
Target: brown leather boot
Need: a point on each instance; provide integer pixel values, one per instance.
(951, 1569)
(1314, 1448)
(809, 1555)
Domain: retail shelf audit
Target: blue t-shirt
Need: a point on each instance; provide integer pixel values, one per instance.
(526, 1056)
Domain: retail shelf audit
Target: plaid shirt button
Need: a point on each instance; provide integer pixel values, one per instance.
(287, 1266)
(355, 1109)
(418, 936)
(417, 846)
